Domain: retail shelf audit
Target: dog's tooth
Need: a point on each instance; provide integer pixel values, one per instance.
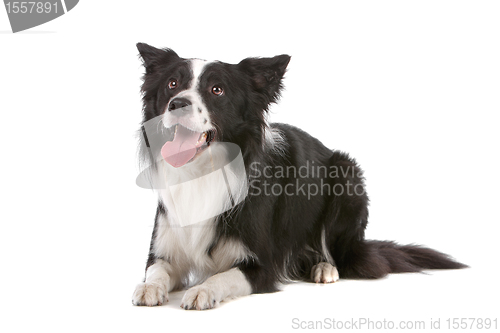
(203, 137)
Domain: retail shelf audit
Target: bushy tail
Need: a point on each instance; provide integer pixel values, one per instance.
(375, 259)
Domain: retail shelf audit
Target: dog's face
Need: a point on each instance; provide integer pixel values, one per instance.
(199, 102)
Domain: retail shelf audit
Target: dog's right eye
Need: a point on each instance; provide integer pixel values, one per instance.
(172, 84)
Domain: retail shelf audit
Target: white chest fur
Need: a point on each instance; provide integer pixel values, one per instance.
(187, 231)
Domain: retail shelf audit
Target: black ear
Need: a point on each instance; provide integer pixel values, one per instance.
(266, 73)
(152, 56)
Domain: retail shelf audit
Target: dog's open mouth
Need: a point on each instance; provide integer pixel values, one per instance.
(186, 145)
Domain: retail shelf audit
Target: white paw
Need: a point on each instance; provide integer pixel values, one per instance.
(324, 273)
(149, 294)
(199, 298)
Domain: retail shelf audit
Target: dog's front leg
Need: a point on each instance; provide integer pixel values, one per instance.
(158, 282)
(215, 289)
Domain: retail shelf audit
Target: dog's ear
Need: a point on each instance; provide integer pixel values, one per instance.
(151, 56)
(266, 74)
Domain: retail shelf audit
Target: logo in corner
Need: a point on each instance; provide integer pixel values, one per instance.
(25, 15)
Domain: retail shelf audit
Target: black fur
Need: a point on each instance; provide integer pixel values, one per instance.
(283, 232)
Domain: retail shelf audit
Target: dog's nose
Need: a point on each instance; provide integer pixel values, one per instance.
(178, 103)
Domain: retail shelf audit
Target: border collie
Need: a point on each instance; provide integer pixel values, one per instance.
(244, 204)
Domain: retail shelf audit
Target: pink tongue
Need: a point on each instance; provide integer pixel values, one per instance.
(182, 149)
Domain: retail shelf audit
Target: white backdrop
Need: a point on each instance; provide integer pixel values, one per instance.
(411, 89)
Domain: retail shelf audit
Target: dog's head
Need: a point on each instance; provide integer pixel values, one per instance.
(197, 102)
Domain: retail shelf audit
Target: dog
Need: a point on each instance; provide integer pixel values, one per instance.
(244, 204)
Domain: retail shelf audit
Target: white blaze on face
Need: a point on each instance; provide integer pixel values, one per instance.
(199, 119)
(197, 66)
(191, 121)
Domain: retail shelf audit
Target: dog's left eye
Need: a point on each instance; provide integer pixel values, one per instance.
(217, 91)
(172, 84)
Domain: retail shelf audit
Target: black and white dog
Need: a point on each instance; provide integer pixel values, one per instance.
(244, 204)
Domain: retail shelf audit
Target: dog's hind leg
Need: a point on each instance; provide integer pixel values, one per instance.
(324, 273)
